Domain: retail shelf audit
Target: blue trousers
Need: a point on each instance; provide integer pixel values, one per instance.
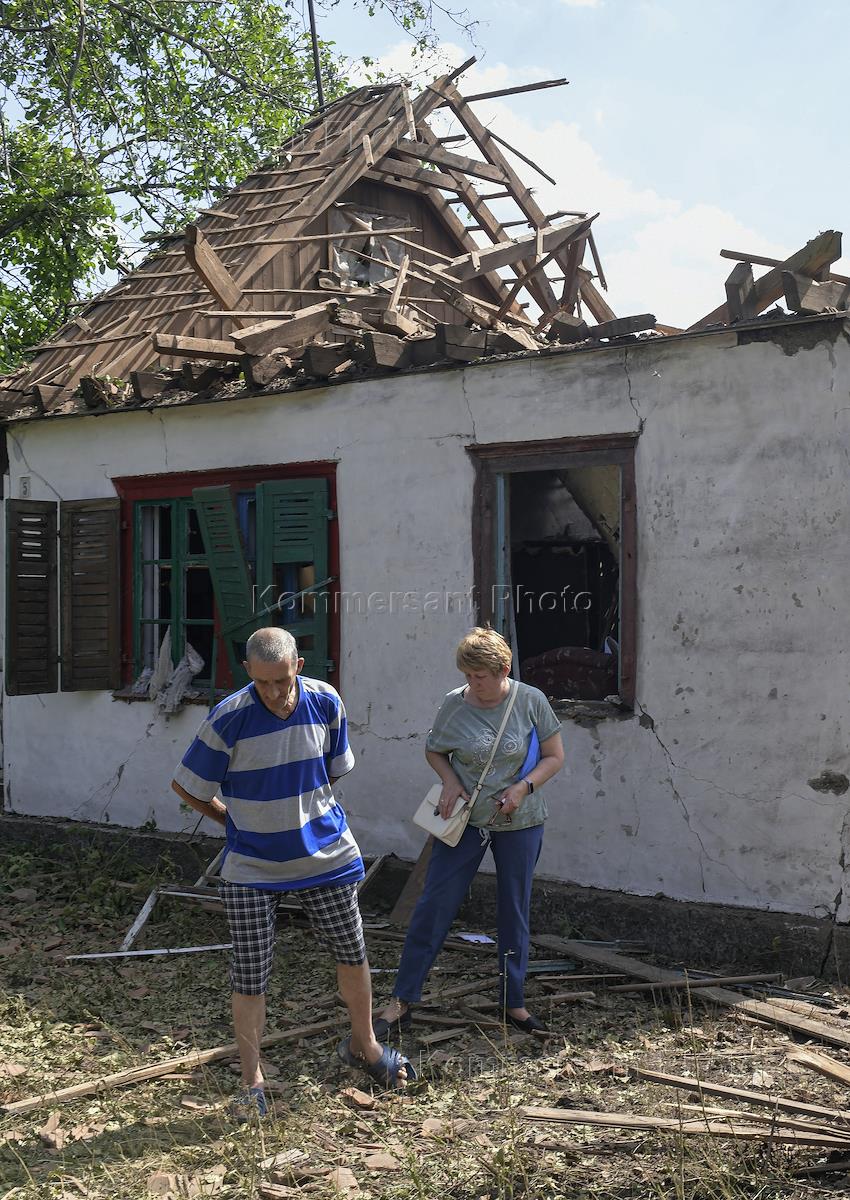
(450, 873)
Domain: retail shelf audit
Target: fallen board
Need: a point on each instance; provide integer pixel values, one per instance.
(834, 1035)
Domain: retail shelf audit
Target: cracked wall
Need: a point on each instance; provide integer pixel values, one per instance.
(744, 560)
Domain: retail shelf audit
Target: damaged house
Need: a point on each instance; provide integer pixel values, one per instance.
(354, 401)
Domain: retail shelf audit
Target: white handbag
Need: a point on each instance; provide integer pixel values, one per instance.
(450, 829)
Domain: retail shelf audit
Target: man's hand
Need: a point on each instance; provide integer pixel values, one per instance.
(452, 792)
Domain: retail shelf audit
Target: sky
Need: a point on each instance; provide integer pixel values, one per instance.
(689, 127)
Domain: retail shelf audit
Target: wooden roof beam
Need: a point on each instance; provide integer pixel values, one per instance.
(759, 260)
(445, 158)
(817, 254)
(486, 143)
(452, 223)
(515, 91)
(505, 254)
(595, 301)
(212, 272)
(538, 285)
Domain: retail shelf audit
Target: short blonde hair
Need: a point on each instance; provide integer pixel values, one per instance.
(483, 650)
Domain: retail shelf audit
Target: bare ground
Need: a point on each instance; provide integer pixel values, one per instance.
(456, 1134)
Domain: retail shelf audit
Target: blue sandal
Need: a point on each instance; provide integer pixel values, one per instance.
(385, 1070)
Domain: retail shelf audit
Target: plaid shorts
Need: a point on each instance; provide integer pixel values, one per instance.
(333, 913)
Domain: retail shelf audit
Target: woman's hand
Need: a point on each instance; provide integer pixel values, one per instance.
(512, 799)
(452, 790)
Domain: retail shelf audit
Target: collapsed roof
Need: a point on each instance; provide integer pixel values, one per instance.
(313, 268)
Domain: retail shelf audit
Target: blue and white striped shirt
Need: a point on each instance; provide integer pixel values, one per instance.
(285, 831)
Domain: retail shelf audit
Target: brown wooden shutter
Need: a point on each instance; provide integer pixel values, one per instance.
(91, 634)
(31, 594)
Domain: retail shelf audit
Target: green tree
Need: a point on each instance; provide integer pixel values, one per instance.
(119, 119)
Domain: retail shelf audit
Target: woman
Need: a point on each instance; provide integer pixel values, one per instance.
(508, 816)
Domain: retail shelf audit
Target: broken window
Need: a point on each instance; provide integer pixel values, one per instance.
(365, 258)
(211, 565)
(556, 565)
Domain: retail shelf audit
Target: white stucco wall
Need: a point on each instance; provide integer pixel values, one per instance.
(744, 564)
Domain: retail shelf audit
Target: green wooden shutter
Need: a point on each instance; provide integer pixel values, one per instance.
(292, 528)
(31, 597)
(229, 573)
(89, 541)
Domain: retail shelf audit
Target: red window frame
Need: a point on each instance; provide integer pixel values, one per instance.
(179, 485)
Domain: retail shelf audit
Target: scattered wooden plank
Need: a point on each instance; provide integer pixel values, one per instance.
(621, 326)
(444, 1035)
(212, 272)
(173, 345)
(158, 953)
(706, 1087)
(557, 998)
(735, 1114)
(695, 1126)
(817, 254)
(823, 1064)
(689, 983)
(195, 1058)
(740, 293)
(761, 1009)
(442, 1019)
(410, 893)
(805, 296)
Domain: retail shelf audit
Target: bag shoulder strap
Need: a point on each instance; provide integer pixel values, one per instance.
(480, 784)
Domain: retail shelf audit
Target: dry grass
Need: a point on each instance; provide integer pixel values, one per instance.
(65, 1022)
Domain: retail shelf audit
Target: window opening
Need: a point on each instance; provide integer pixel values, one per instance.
(353, 260)
(564, 540)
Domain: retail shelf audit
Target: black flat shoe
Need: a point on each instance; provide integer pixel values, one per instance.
(526, 1024)
(384, 1029)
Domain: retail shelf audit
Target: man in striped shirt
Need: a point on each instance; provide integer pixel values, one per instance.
(273, 752)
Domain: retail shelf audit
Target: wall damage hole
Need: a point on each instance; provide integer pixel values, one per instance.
(830, 781)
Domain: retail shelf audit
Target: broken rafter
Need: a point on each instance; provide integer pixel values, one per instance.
(816, 255)
(445, 158)
(212, 272)
(759, 260)
(515, 91)
(539, 287)
(556, 238)
(596, 302)
(386, 122)
(195, 1058)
